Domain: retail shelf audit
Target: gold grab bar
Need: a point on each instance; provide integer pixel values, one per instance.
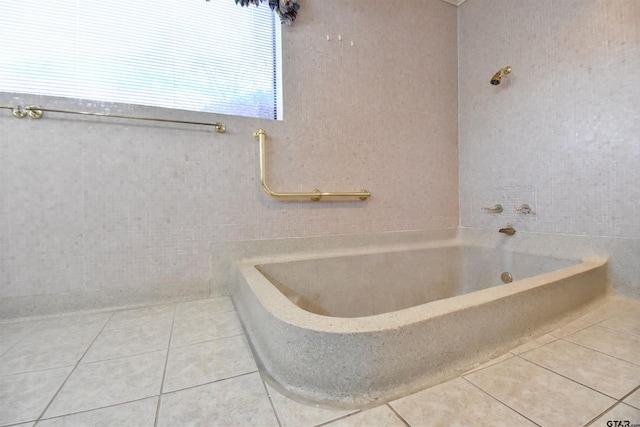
(315, 195)
(36, 112)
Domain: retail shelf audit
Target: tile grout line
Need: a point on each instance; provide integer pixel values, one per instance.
(610, 328)
(40, 418)
(257, 363)
(75, 367)
(388, 405)
(166, 363)
(201, 299)
(273, 406)
(598, 351)
(20, 340)
(629, 394)
(595, 418)
(211, 382)
(110, 359)
(328, 423)
(84, 411)
(568, 378)
(499, 401)
(589, 324)
(606, 317)
(617, 403)
(209, 341)
(36, 370)
(487, 364)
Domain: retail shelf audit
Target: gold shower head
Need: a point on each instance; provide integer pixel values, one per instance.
(495, 80)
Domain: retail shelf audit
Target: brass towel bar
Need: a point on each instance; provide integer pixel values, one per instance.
(315, 195)
(36, 112)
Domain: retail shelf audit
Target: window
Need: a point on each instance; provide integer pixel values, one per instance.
(181, 54)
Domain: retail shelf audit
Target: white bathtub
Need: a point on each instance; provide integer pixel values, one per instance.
(368, 327)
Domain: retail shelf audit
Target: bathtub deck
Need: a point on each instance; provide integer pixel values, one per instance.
(189, 364)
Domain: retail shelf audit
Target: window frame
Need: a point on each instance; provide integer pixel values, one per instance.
(125, 108)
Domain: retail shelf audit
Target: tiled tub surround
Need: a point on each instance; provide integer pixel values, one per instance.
(99, 213)
(562, 131)
(388, 322)
(189, 364)
(622, 254)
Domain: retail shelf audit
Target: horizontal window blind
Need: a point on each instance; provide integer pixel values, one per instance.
(183, 54)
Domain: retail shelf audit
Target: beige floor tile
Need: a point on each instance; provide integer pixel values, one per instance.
(203, 363)
(5, 347)
(203, 307)
(23, 397)
(133, 414)
(612, 306)
(570, 328)
(240, 401)
(380, 416)
(617, 344)
(114, 343)
(27, 356)
(159, 315)
(100, 384)
(69, 335)
(69, 327)
(606, 374)
(633, 399)
(456, 403)
(50, 343)
(533, 344)
(208, 346)
(78, 329)
(197, 329)
(491, 362)
(540, 395)
(620, 412)
(627, 322)
(11, 333)
(71, 320)
(292, 413)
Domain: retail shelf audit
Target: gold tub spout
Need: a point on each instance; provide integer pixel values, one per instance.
(509, 231)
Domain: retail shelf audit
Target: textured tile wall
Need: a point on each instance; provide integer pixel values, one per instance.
(92, 208)
(562, 132)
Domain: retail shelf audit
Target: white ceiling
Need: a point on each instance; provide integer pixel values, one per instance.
(455, 2)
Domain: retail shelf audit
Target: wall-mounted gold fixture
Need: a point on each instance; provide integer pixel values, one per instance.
(508, 230)
(495, 80)
(315, 195)
(36, 112)
(494, 209)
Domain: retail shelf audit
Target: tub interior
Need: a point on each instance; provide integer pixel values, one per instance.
(375, 283)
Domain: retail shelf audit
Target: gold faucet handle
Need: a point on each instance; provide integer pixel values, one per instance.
(494, 209)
